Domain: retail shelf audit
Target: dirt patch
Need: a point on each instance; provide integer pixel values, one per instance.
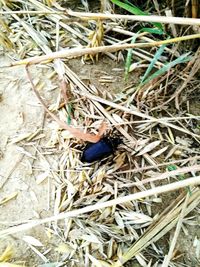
(21, 114)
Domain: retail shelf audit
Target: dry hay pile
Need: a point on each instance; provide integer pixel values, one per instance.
(109, 213)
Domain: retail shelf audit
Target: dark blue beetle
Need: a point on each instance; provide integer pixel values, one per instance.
(100, 150)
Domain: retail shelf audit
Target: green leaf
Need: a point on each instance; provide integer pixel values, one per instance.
(180, 177)
(171, 168)
(182, 59)
(135, 10)
(152, 30)
(130, 7)
(69, 111)
(129, 57)
(151, 65)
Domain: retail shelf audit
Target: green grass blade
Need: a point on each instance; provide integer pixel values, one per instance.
(69, 111)
(129, 57)
(180, 177)
(152, 30)
(135, 10)
(182, 59)
(129, 7)
(151, 65)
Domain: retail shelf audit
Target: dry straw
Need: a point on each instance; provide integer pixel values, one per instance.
(161, 19)
(158, 190)
(78, 52)
(104, 207)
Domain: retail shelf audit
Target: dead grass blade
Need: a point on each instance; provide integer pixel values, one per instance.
(140, 114)
(76, 132)
(94, 212)
(5, 41)
(77, 52)
(177, 231)
(168, 174)
(161, 19)
(166, 221)
(74, 213)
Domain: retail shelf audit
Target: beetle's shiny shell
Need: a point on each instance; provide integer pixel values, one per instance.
(97, 151)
